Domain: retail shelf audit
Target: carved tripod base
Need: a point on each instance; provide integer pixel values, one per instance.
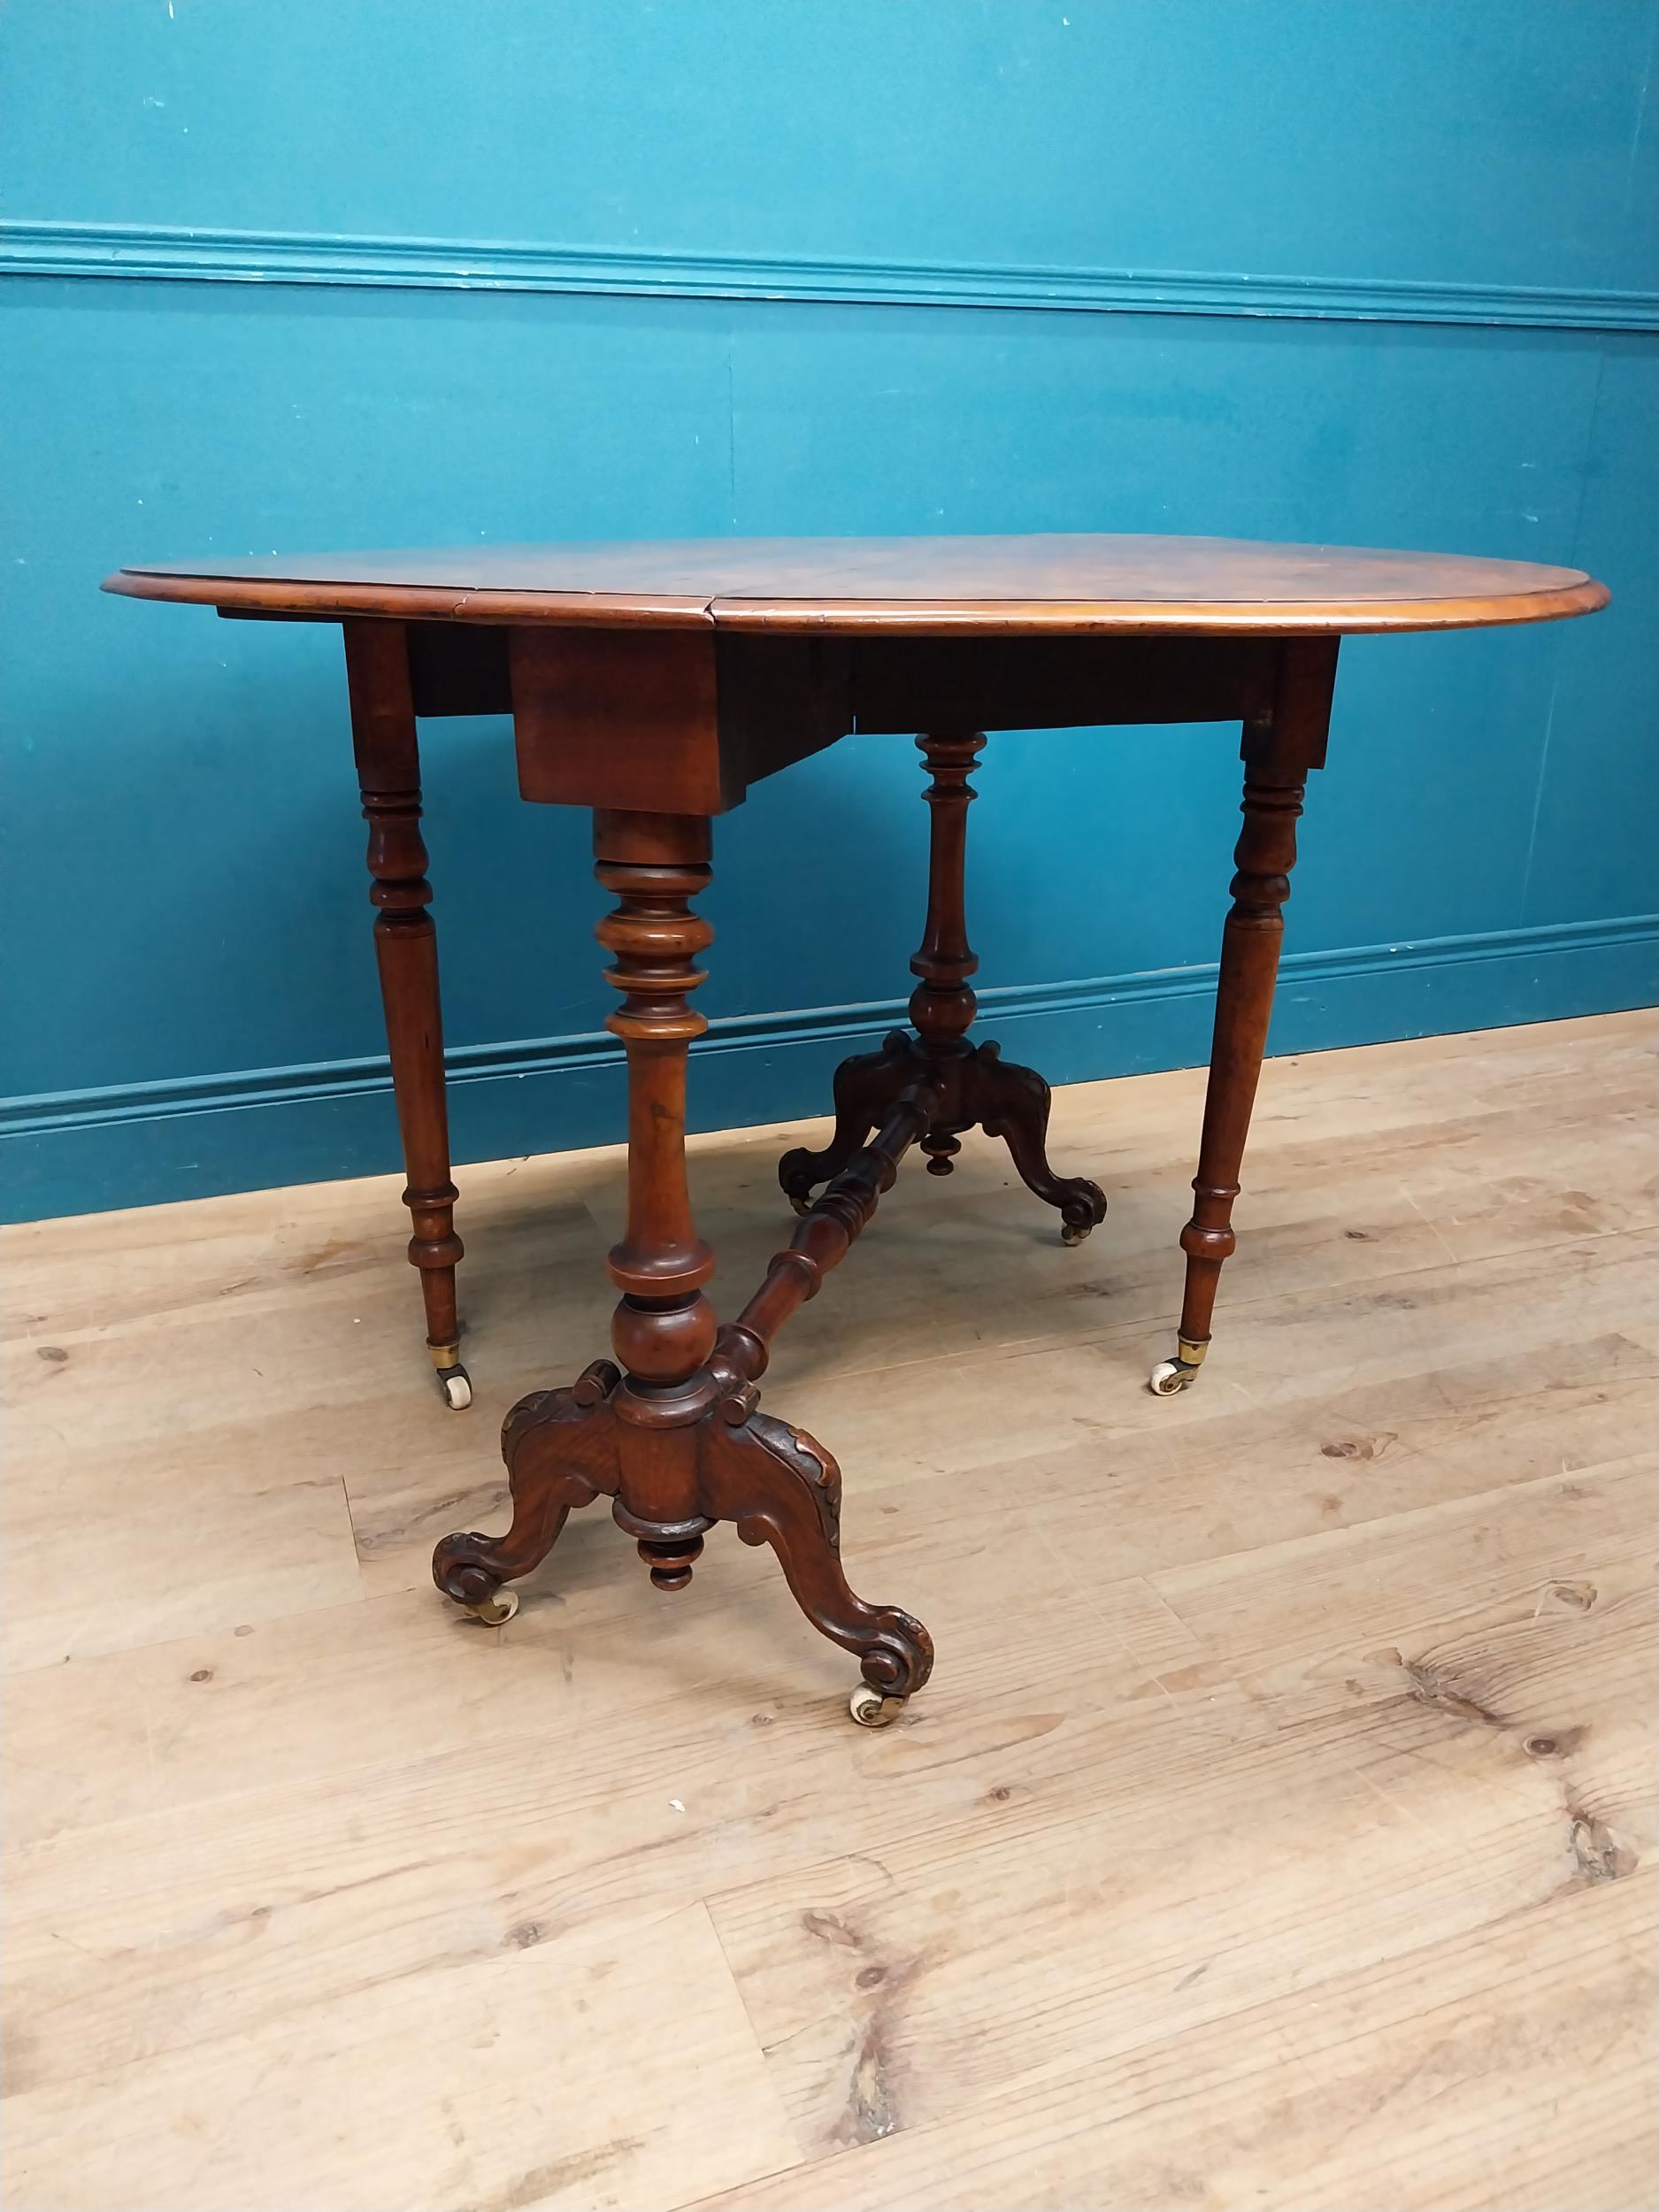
(564, 1448)
(965, 1086)
(976, 1089)
(676, 1441)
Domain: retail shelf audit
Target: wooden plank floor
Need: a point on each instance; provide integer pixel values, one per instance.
(1278, 1830)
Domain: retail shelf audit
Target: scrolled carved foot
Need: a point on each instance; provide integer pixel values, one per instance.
(1013, 1103)
(898, 1656)
(561, 1452)
(462, 1568)
(1082, 1210)
(867, 1087)
(897, 1662)
(778, 1487)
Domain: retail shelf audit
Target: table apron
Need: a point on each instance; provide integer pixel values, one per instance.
(686, 720)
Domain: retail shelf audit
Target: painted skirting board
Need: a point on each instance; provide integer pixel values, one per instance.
(79, 1152)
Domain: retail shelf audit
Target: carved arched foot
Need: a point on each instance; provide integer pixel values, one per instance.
(1014, 1104)
(867, 1087)
(560, 1450)
(779, 1487)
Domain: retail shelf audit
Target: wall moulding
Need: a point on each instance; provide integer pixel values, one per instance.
(178, 255)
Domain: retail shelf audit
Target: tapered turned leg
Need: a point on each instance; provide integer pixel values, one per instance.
(406, 949)
(1279, 753)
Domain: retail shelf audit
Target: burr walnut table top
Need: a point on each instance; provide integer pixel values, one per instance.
(1077, 585)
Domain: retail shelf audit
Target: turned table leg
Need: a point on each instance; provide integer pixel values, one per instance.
(406, 949)
(1279, 750)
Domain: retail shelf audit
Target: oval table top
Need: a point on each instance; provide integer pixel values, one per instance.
(1083, 584)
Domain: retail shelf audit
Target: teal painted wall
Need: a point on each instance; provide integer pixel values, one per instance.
(395, 272)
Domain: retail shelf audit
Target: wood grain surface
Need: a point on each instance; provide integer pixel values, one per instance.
(1077, 584)
(1279, 1829)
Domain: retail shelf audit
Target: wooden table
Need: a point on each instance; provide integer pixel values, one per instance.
(654, 683)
